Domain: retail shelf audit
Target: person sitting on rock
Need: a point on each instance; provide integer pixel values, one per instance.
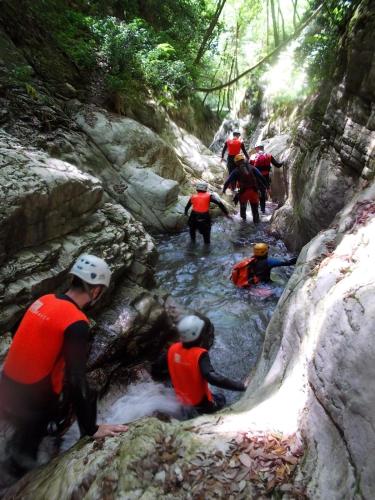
(250, 180)
(190, 370)
(263, 162)
(47, 360)
(200, 217)
(234, 145)
(257, 269)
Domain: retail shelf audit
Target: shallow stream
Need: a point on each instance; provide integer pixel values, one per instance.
(198, 278)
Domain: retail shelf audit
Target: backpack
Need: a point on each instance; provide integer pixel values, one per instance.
(240, 273)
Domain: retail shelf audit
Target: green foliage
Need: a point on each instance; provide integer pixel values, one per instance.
(73, 36)
(319, 48)
(22, 73)
(132, 43)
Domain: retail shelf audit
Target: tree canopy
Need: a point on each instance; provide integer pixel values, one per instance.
(175, 48)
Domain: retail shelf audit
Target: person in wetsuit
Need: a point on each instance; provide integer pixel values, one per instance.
(46, 361)
(263, 162)
(250, 181)
(199, 218)
(259, 269)
(190, 370)
(234, 146)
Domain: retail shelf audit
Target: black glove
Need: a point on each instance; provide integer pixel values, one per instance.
(292, 261)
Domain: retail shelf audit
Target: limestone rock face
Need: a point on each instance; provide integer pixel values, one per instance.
(50, 212)
(43, 198)
(317, 362)
(146, 172)
(333, 150)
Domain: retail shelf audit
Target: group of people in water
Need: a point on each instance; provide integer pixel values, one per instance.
(43, 378)
(249, 179)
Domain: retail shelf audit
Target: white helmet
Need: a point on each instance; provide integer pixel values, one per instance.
(201, 186)
(92, 270)
(190, 328)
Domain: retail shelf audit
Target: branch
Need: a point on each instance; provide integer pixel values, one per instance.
(267, 57)
(209, 31)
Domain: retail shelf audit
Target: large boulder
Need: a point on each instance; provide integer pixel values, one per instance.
(42, 198)
(50, 212)
(144, 171)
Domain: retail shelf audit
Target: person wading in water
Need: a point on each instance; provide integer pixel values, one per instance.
(257, 269)
(188, 364)
(263, 162)
(250, 181)
(199, 218)
(234, 146)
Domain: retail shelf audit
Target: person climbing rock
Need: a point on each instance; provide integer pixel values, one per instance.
(263, 162)
(234, 146)
(199, 218)
(190, 370)
(250, 181)
(257, 269)
(47, 362)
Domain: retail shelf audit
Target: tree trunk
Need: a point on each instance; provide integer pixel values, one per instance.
(282, 23)
(268, 26)
(295, 13)
(276, 37)
(215, 18)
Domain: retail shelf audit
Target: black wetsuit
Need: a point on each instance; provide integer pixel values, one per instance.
(201, 221)
(34, 410)
(261, 268)
(160, 371)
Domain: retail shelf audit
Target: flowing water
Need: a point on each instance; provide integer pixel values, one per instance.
(198, 277)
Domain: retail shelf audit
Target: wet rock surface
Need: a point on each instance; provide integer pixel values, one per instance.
(156, 459)
(316, 364)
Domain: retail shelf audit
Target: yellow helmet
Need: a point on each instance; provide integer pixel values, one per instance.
(260, 249)
(239, 157)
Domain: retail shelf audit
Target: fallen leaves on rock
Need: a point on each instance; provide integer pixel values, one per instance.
(253, 466)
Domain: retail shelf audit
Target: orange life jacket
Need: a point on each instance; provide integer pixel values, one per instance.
(262, 162)
(234, 146)
(183, 365)
(200, 202)
(242, 275)
(36, 350)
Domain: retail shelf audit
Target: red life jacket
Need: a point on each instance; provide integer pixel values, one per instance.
(36, 350)
(183, 365)
(262, 162)
(200, 202)
(242, 276)
(234, 146)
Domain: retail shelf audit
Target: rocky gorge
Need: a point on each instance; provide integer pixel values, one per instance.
(77, 177)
